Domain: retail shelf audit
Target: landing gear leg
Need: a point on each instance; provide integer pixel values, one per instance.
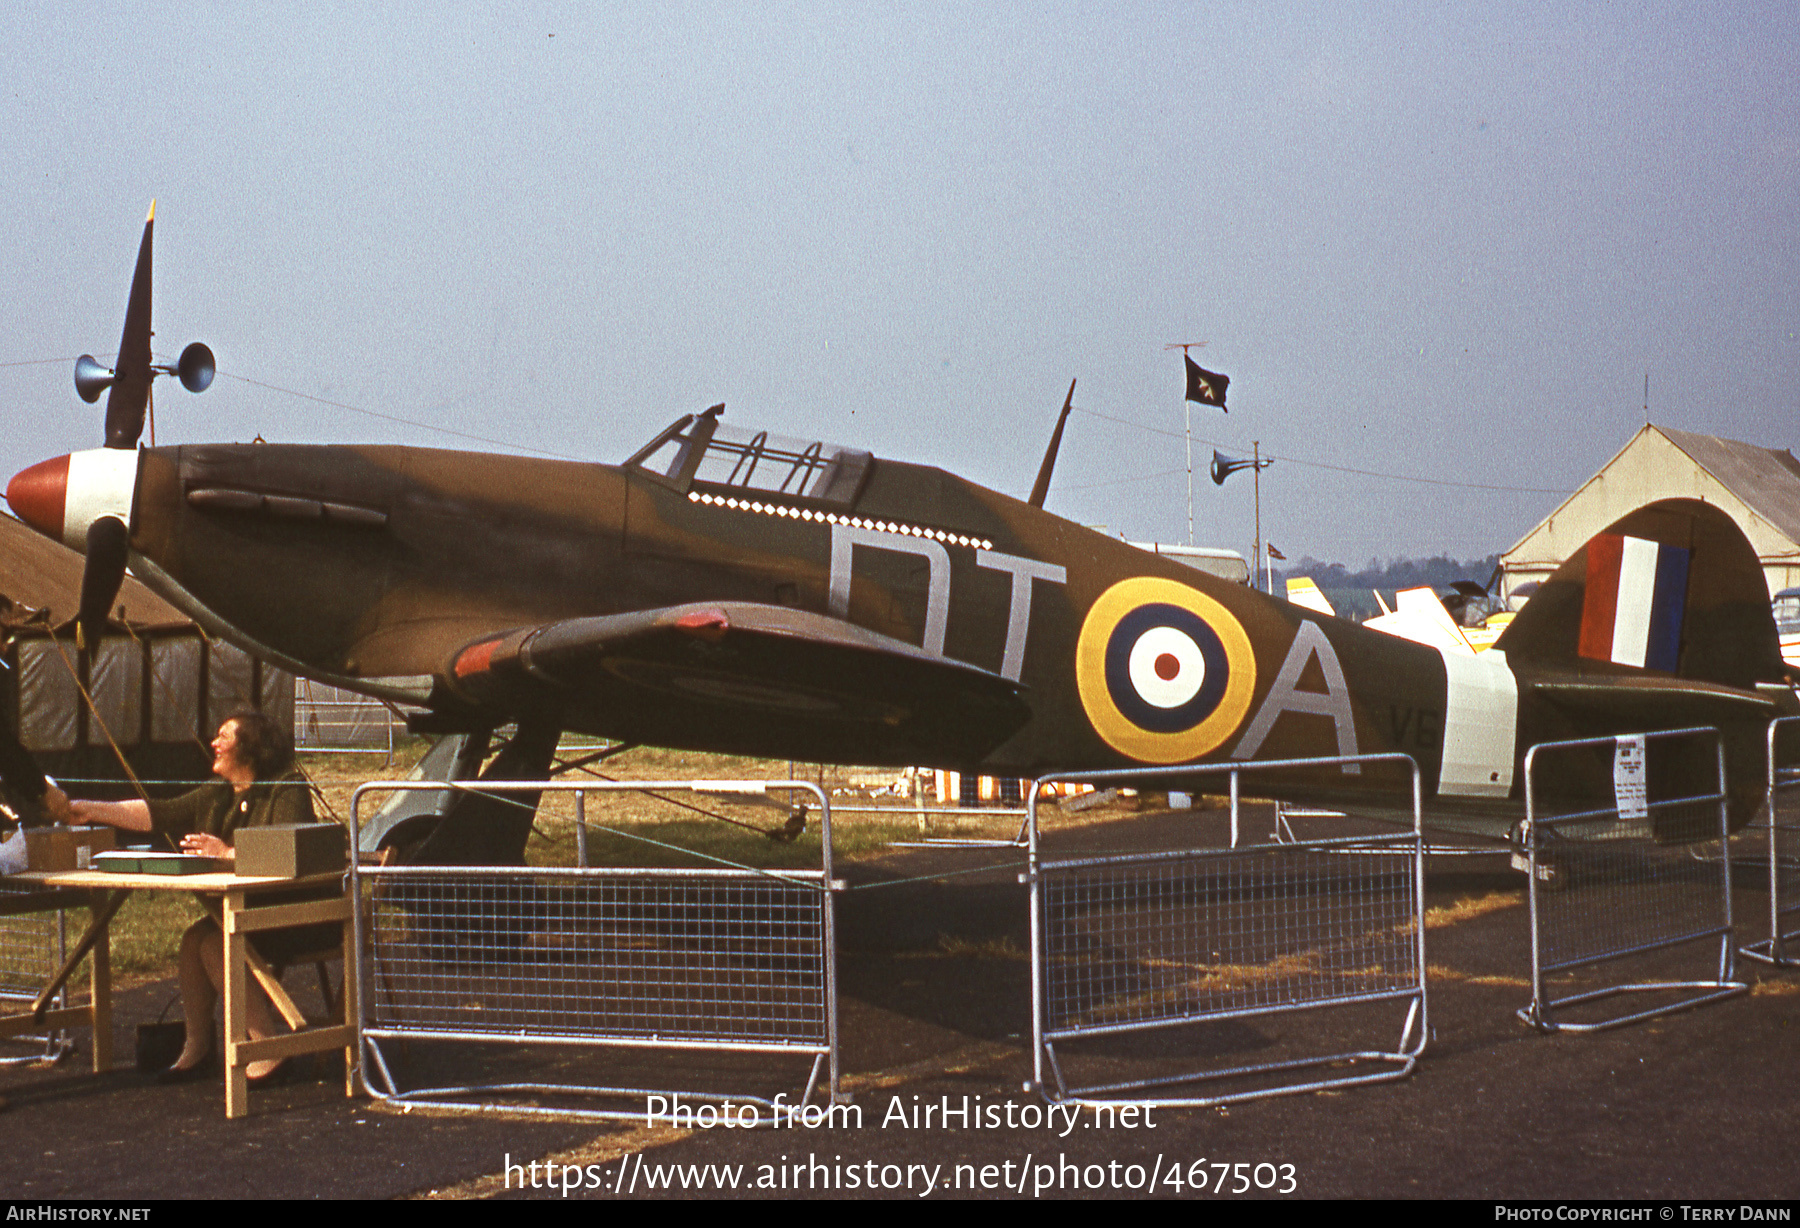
(490, 829)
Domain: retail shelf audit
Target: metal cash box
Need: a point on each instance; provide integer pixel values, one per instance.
(291, 850)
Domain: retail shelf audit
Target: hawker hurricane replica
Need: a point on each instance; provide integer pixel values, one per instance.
(726, 590)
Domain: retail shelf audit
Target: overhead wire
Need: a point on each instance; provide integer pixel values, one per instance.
(357, 409)
(1136, 477)
(1142, 426)
(1295, 460)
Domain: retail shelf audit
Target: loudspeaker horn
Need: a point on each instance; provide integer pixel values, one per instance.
(91, 379)
(1223, 466)
(196, 367)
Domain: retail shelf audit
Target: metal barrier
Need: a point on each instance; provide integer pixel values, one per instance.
(32, 947)
(922, 816)
(1622, 880)
(725, 959)
(1781, 822)
(1127, 944)
(329, 719)
(1468, 845)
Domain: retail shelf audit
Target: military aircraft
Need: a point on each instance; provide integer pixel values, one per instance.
(726, 590)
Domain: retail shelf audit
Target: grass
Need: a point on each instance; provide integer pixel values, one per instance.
(950, 946)
(147, 931)
(627, 828)
(1469, 908)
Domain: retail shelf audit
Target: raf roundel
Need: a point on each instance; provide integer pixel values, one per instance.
(1165, 672)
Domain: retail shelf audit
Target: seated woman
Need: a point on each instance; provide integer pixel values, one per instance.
(258, 786)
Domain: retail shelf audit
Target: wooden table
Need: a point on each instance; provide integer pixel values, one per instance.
(239, 915)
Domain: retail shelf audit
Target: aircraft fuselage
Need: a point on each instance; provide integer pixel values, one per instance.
(375, 567)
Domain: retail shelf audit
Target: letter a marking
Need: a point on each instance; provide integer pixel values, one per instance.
(1285, 696)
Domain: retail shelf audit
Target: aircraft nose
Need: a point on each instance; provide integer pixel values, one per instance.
(38, 495)
(60, 498)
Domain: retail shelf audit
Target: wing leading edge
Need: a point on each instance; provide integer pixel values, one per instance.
(745, 678)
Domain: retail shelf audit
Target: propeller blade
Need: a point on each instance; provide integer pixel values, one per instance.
(131, 379)
(108, 548)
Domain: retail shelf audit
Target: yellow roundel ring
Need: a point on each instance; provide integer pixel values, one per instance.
(1165, 672)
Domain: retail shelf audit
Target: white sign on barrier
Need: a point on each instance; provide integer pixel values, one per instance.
(1630, 792)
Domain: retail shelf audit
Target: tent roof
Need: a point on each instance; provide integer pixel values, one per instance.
(37, 572)
(1765, 478)
(1765, 481)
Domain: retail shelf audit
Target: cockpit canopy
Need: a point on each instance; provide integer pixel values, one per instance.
(696, 451)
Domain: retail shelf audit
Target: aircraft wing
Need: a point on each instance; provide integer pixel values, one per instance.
(746, 678)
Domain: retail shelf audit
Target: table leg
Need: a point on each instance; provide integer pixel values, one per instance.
(95, 930)
(237, 1032)
(265, 976)
(100, 992)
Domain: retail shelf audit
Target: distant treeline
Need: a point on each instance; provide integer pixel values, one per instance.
(1349, 591)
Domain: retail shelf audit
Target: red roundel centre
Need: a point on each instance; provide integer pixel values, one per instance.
(1167, 666)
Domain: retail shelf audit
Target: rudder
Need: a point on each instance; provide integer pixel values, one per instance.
(1673, 588)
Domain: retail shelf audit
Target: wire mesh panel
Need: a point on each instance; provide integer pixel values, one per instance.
(30, 944)
(1645, 870)
(32, 947)
(1207, 935)
(1779, 828)
(669, 956)
(1147, 941)
(734, 959)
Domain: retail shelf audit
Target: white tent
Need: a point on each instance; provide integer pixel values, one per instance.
(1757, 487)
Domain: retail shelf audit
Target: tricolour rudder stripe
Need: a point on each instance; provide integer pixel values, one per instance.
(1635, 596)
(1599, 608)
(1662, 648)
(1637, 593)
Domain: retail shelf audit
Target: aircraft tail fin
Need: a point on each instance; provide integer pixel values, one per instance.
(1303, 592)
(1674, 588)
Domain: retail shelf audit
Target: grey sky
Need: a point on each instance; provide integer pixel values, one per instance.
(1438, 240)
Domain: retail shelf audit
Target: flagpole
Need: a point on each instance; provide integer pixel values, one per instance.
(1187, 420)
(1187, 415)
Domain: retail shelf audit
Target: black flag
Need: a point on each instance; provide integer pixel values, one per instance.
(1206, 387)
